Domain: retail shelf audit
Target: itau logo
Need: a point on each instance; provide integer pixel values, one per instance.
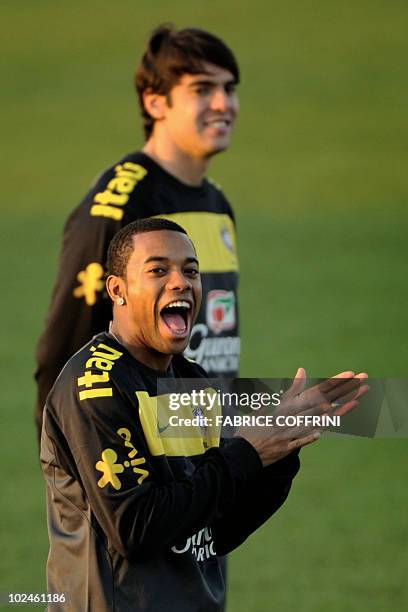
(220, 310)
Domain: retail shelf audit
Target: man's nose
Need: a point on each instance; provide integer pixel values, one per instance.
(220, 100)
(177, 281)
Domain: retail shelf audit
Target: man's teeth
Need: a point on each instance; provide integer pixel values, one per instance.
(218, 124)
(179, 304)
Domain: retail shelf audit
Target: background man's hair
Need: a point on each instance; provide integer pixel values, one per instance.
(171, 53)
(121, 246)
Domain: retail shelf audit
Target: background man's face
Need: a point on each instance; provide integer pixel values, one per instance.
(162, 270)
(201, 112)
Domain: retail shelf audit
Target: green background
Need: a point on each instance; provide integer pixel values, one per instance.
(318, 177)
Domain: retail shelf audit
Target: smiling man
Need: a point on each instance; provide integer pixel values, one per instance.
(186, 85)
(137, 521)
(154, 278)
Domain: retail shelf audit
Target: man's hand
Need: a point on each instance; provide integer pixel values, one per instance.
(334, 396)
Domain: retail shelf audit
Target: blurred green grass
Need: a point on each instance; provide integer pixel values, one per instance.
(317, 175)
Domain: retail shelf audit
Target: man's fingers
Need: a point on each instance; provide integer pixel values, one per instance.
(344, 409)
(362, 375)
(342, 387)
(353, 393)
(348, 374)
(334, 387)
(335, 381)
(298, 384)
(363, 388)
(346, 392)
(328, 389)
(300, 442)
(347, 405)
(337, 395)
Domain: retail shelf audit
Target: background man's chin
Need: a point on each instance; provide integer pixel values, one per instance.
(216, 149)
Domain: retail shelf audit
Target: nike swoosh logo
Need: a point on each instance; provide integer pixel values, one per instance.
(161, 429)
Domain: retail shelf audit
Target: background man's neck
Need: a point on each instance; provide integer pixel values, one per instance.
(187, 169)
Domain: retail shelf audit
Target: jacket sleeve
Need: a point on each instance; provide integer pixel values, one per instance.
(141, 513)
(255, 502)
(79, 306)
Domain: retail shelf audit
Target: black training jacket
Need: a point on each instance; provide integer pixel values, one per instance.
(133, 188)
(137, 520)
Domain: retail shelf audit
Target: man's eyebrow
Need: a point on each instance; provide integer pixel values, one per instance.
(209, 81)
(192, 260)
(160, 258)
(155, 258)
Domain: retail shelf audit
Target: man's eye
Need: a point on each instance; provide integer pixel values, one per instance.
(230, 88)
(191, 271)
(158, 270)
(202, 90)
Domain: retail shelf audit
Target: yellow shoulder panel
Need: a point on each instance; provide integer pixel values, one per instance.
(214, 238)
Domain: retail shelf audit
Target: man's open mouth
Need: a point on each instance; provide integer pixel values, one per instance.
(218, 124)
(177, 315)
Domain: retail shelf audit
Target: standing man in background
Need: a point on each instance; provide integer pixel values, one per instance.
(186, 84)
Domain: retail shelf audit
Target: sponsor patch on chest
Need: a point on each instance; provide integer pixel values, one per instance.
(220, 310)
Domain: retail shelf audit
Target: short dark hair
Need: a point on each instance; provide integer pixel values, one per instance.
(121, 246)
(171, 53)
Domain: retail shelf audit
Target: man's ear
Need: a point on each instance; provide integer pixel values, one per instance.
(155, 104)
(115, 286)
